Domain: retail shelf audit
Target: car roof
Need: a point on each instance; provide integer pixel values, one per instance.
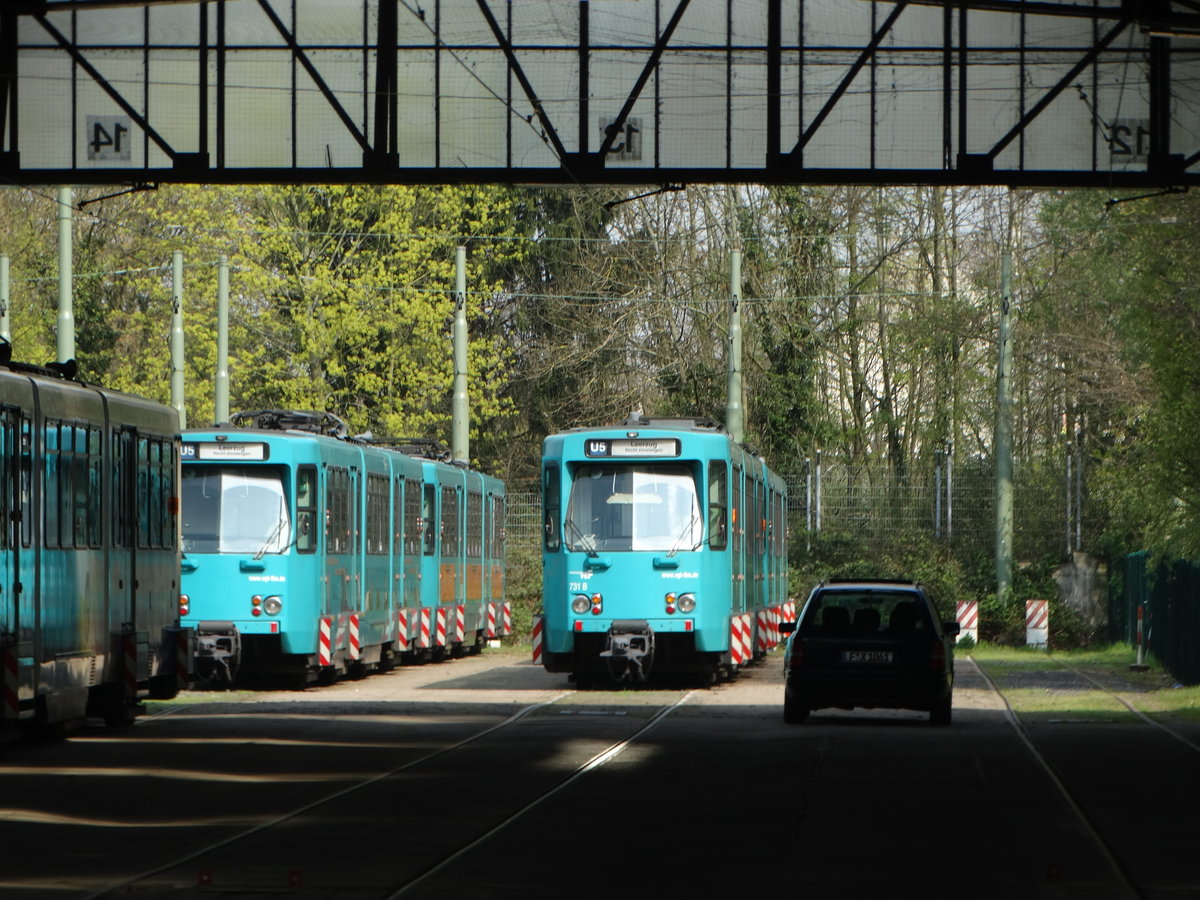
(860, 584)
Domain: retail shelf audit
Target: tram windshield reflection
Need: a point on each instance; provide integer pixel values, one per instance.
(633, 507)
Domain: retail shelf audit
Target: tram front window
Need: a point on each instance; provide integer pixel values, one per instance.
(234, 509)
(633, 507)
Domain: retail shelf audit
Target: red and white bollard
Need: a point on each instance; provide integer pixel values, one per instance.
(1037, 623)
(967, 614)
(537, 640)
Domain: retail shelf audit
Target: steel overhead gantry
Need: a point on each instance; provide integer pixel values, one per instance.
(1019, 92)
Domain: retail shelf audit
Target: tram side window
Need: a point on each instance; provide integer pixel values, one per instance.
(718, 533)
(551, 506)
(429, 519)
(338, 511)
(306, 509)
(377, 515)
(450, 526)
(412, 517)
(51, 489)
(496, 527)
(155, 467)
(474, 526)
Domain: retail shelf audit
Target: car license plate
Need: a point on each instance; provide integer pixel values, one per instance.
(867, 657)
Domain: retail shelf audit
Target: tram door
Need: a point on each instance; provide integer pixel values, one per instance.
(122, 570)
(10, 536)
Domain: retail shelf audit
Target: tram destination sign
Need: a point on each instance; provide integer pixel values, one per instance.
(224, 450)
(631, 448)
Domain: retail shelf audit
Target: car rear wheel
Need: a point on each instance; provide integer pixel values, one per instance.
(940, 714)
(794, 712)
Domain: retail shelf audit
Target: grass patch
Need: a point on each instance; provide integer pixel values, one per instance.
(1046, 684)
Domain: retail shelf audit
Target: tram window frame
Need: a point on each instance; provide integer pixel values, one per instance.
(718, 507)
(496, 523)
(451, 529)
(411, 522)
(7, 437)
(307, 493)
(551, 508)
(337, 486)
(429, 519)
(378, 495)
(474, 534)
(51, 484)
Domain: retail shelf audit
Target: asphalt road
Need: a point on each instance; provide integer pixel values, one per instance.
(488, 778)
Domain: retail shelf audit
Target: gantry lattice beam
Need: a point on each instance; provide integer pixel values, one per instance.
(1093, 92)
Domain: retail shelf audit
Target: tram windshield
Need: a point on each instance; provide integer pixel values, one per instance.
(633, 507)
(234, 509)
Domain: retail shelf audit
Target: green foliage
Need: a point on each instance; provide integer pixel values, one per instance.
(915, 559)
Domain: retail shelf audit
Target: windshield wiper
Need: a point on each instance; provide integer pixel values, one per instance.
(275, 532)
(586, 542)
(686, 530)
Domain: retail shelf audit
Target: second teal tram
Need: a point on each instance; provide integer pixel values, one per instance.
(664, 550)
(309, 554)
(89, 551)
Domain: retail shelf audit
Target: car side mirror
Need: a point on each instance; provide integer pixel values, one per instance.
(787, 627)
(950, 628)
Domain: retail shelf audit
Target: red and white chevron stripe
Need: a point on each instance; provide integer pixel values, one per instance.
(355, 645)
(537, 640)
(440, 635)
(423, 636)
(735, 640)
(491, 620)
(1037, 622)
(967, 614)
(402, 629)
(460, 624)
(325, 642)
(507, 619)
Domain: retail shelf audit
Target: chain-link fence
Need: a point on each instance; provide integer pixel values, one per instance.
(946, 499)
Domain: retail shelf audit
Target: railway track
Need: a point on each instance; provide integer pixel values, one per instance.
(1109, 844)
(195, 872)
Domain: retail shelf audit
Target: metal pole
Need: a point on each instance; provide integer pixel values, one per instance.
(177, 337)
(1070, 504)
(949, 490)
(808, 505)
(66, 274)
(734, 414)
(937, 498)
(818, 511)
(460, 410)
(1004, 460)
(4, 332)
(221, 404)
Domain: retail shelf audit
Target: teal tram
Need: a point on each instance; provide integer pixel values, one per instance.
(89, 551)
(310, 555)
(664, 551)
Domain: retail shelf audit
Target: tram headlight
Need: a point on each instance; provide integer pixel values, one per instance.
(273, 605)
(581, 604)
(686, 603)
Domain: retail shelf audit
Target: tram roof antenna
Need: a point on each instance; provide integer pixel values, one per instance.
(292, 420)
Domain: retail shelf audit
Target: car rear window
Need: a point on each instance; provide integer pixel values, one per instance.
(866, 612)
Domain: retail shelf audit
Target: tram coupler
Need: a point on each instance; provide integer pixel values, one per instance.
(218, 649)
(629, 649)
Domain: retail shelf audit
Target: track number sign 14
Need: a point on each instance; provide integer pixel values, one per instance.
(108, 138)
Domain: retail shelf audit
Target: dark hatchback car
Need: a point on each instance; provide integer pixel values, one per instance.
(872, 644)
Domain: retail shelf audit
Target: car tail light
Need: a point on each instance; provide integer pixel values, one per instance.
(796, 659)
(937, 657)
